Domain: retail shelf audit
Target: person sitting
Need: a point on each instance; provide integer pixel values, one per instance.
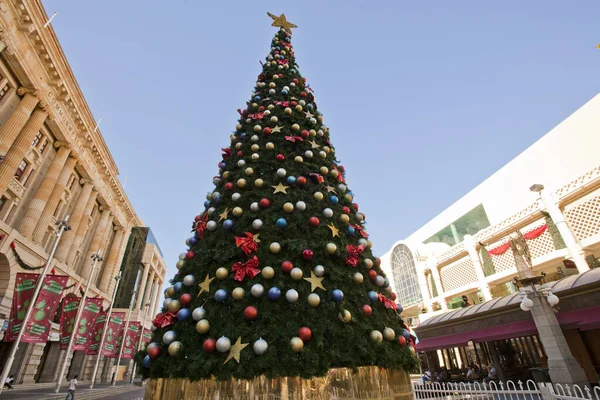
(443, 375)
(470, 374)
(426, 378)
(492, 375)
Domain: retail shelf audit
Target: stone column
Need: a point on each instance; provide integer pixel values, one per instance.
(112, 262)
(43, 193)
(420, 264)
(432, 264)
(19, 147)
(148, 291)
(82, 229)
(95, 243)
(474, 255)
(17, 120)
(156, 297)
(74, 221)
(139, 303)
(53, 200)
(2, 46)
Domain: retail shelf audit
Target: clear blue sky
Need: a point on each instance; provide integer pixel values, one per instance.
(424, 99)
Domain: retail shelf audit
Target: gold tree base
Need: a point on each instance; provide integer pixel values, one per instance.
(340, 383)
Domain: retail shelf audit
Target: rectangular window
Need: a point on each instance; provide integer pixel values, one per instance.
(43, 147)
(3, 201)
(37, 139)
(21, 169)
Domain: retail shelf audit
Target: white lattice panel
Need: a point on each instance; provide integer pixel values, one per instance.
(541, 245)
(584, 217)
(504, 261)
(460, 273)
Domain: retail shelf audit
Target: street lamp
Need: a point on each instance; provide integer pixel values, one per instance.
(536, 187)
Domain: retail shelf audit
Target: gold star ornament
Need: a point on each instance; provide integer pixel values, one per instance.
(330, 189)
(280, 188)
(281, 22)
(276, 129)
(334, 231)
(315, 282)
(223, 215)
(235, 350)
(256, 239)
(205, 286)
(308, 114)
(313, 144)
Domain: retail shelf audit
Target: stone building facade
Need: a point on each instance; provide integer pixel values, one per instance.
(53, 163)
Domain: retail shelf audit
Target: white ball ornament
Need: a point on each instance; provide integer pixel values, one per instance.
(223, 344)
(236, 196)
(179, 264)
(300, 206)
(255, 156)
(281, 172)
(368, 263)
(308, 154)
(322, 154)
(389, 334)
(302, 102)
(363, 242)
(241, 163)
(211, 225)
(296, 274)
(328, 213)
(319, 270)
(257, 224)
(312, 121)
(198, 313)
(257, 290)
(211, 210)
(314, 300)
(254, 138)
(291, 296)
(260, 347)
(376, 336)
(272, 92)
(342, 188)
(254, 207)
(275, 248)
(331, 248)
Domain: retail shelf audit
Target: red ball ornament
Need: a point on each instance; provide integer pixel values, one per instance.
(307, 254)
(280, 157)
(372, 274)
(250, 313)
(189, 255)
(367, 310)
(228, 186)
(355, 206)
(154, 352)
(197, 218)
(264, 203)
(185, 299)
(393, 296)
(303, 94)
(304, 134)
(346, 210)
(261, 108)
(314, 222)
(293, 103)
(267, 131)
(240, 153)
(378, 261)
(287, 266)
(301, 181)
(295, 80)
(209, 345)
(281, 75)
(402, 340)
(305, 334)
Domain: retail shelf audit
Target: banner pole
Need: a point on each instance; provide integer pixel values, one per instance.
(108, 315)
(139, 346)
(96, 257)
(114, 381)
(63, 226)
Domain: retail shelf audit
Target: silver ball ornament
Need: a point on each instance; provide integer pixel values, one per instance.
(291, 296)
(241, 163)
(257, 224)
(211, 210)
(169, 337)
(189, 280)
(281, 172)
(363, 242)
(342, 188)
(182, 256)
(260, 347)
(379, 280)
(257, 290)
(236, 196)
(254, 207)
(223, 344)
(328, 213)
(319, 270)
(198, 313)
(308, 154)
(211, 225)
(300, 206)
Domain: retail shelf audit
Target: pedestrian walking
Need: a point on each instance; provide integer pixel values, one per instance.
(9, 381)
(72, 387)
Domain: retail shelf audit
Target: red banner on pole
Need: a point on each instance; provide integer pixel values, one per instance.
(131, 339)
(83, 334)
(67, 319)
(99, 324)
(145, 338)
(114, 330)
(38, 327)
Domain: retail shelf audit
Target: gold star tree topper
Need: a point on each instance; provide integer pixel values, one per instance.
(281, 22)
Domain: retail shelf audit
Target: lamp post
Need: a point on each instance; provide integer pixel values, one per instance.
(124, 335)
(96, 258)
(108, 315)
(62, 227)
(563, 227)
(139, 346)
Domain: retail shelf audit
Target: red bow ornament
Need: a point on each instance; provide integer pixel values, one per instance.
(258, 115)
(247, 268)
(226, 153)
(163, 320)
(247, 244)
(200, 226)
(340, 176)
(353, 253)
(316, 177)
(387, 302)
(361, 231)
(282, 103)
(283, 62)
(294, 139)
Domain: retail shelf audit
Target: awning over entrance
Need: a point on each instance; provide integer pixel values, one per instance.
(442, 342)
(512, 330)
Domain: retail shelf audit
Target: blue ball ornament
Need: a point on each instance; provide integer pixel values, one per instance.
(309, 106)
(277, 48)
(351, 231)
(243, 135)
(406, 334)
(291, 180)
(337, 295)
(177, 287)
(222, 165)
(147, 361)
(193, 241)
(274, 293)
(221, 295)
(292, 71)
(399, 308)
(284, 92)
(386, 283)
(334, 199)
(206, 203)
(228, 224)
(256, 98)
(183, 314)
(217, 197)
(373, 296)
(281, 223)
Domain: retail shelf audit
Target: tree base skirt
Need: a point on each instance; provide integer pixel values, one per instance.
(341, 383)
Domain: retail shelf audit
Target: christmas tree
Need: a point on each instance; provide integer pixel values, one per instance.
(279, 279)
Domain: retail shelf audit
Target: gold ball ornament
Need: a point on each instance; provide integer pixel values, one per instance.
(318, 196)
(275, 248)
(226, 175)
(222, 273)
(255, 147)
(368, 263)
(296, 344)
(320, 118)
(274, 119)
(174, 306)
(369, 244)
(275, 77)
(312, 133)
(389, 334)
(249, 171)
(241, 183)
(257, 128)
(324, 170)
(238, 146)
(238, 127)
(238, 293)
(288, 207)
(270, 107)
(237, 212)
(259, 183)
(175, 348)
(334, 173)
(296, 274)
(376, 336)
(298, 107)
(348, 197)
(272, 85)
(344, 218)
(170, 291)
(314, 300)
(296, 127)
(269, 146)
(331, 248)
(288, 111)
(413, 352)
(298, 159)
(345, 316)
(358, 277)
(202, 326)
(326, 149)
(268, 272)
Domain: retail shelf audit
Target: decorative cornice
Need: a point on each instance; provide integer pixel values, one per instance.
(83, 181)
(22, 91)
(60, 143)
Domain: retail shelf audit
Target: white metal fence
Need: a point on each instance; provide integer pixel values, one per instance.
(510, 390)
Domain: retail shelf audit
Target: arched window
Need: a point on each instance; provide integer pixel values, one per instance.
(405, 276)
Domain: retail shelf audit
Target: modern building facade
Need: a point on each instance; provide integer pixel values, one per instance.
(54, 163)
